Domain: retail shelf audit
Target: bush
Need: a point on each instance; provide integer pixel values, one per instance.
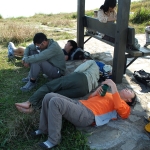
(1, 17)
(141, 16)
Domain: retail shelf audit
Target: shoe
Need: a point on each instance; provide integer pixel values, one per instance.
(46, 145)
(11, 48)
(25, 79)
(28, 86)
(36, 134)
(33, 134)
(11, 45)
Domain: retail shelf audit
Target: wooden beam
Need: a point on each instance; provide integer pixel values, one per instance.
(95, 24)
(80, 23)
(108, 28)
(120, 40)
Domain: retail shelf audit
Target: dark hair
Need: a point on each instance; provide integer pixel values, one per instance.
(107, 4)
(133, 101)
(39, 38)
(73, 44)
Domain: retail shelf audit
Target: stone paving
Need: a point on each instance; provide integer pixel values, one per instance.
(128, 134)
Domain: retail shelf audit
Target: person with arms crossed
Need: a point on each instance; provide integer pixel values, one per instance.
(44, 55)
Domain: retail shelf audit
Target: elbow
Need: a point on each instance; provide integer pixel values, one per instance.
(102, 20)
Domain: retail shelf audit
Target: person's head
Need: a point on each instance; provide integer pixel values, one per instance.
(40, 41)
(70, 45)
(108, 5)
(128, 96)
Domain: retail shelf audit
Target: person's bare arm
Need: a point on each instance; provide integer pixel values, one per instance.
(111, 19)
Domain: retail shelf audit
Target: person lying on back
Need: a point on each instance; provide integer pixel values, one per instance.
(96, 110)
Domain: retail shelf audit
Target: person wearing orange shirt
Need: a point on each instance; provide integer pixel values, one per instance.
(96, 110)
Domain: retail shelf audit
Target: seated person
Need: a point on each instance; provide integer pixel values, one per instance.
(44, 55)
(96, 110)
(77, 84)
(69, 46)
(107, 13)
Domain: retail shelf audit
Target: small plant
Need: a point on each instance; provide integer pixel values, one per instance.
(1, 17)
(141, 16)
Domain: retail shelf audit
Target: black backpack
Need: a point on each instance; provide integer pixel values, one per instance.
(142, 76)
(79, 54)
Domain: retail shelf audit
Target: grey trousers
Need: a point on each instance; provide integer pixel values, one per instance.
(56, 106)
(44, 67)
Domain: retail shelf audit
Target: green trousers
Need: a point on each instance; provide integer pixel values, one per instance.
(73, 85)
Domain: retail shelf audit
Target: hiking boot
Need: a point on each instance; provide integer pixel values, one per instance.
(25, 79)
(30, 85)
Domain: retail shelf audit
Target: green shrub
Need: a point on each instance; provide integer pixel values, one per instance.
(1, 17)
(141, 16)
(74, 16)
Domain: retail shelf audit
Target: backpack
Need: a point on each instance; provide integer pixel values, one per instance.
(142, 76)
(79, 54)
(104, 71)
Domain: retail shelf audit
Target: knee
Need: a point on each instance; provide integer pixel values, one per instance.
(55, 102)
(48, 97)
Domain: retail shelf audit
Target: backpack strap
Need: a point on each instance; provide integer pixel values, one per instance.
(77, 50)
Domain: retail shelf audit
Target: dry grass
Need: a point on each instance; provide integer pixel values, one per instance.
(16, 32)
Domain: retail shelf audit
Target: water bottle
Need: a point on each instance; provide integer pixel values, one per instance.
(104, 87)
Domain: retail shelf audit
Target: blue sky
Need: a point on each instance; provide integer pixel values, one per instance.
(16, 8)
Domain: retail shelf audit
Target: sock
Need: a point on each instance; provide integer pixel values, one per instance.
(48, 144)
(38, 132)
(33, 81)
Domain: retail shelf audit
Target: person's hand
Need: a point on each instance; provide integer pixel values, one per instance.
(99, 90)
(26, 65)
(111, 84)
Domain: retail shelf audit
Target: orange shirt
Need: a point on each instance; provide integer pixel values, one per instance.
(107, 107)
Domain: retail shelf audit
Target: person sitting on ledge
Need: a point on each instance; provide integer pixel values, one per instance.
(77, 84)
(107, 13)
(96, 110)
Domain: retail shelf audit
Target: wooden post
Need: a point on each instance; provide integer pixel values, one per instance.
(80, 23)
(120, 39)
